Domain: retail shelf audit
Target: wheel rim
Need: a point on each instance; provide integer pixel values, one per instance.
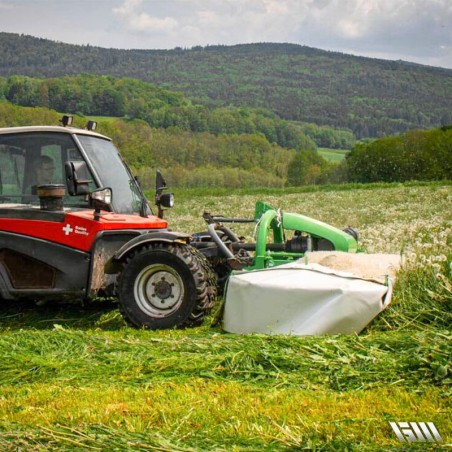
(159, 290)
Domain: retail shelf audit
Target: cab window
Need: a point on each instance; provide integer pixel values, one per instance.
(28, 160)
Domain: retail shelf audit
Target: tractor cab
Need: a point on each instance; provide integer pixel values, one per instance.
(82, 162)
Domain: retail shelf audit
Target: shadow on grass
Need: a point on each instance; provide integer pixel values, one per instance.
(24, 314)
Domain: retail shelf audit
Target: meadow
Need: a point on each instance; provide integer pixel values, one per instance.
(78, 378)
(333, 155)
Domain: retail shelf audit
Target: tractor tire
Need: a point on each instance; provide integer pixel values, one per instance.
(166, 285)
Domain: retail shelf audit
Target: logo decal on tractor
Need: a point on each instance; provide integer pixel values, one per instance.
(67, 229)
(80, 230)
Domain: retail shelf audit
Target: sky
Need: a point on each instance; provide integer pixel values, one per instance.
(419, 31)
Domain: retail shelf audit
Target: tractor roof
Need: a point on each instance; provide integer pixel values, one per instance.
(58, 129)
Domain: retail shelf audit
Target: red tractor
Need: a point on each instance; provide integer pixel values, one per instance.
(74, 223)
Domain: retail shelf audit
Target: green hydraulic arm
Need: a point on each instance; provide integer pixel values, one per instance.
(269, 219)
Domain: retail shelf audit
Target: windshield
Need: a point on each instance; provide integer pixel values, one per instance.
(112, 172)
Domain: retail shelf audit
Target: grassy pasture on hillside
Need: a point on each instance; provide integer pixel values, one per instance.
(333, 155)
(76, 378)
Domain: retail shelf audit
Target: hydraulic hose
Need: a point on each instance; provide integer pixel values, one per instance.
(225, 250)
(229, 233)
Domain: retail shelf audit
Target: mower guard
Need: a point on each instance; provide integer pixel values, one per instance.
(310, 299)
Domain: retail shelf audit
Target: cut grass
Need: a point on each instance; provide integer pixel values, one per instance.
(77, 378)
(212, 415)
(131, 358)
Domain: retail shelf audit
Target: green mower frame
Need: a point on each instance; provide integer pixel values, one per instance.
(318, 235)
(273, 246)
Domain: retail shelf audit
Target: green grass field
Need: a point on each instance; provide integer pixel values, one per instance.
(334, 155)
(77, 378)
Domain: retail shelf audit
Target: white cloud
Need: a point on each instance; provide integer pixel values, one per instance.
(5, 6)
(127, 8)
(141, 21)
(145, 22)
(415, 28)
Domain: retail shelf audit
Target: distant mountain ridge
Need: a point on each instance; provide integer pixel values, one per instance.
(369, 96)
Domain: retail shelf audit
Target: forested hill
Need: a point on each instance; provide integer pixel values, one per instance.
(369, 96)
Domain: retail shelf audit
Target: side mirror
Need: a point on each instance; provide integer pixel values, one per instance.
(160, 182)
(162, 199)
(76, 178)
(101, 200)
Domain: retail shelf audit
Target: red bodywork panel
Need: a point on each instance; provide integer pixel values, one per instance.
(79, 229)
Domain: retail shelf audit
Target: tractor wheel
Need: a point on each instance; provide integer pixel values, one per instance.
(164, 285)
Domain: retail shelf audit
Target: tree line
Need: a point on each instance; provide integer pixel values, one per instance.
(160, 108)
(203, 159)
(371, 97)
(416, 155)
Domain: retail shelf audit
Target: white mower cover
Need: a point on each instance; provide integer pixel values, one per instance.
(311, 299)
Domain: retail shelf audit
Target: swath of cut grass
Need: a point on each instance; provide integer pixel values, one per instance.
(77, 378)
(405, 359)
(210, 414)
